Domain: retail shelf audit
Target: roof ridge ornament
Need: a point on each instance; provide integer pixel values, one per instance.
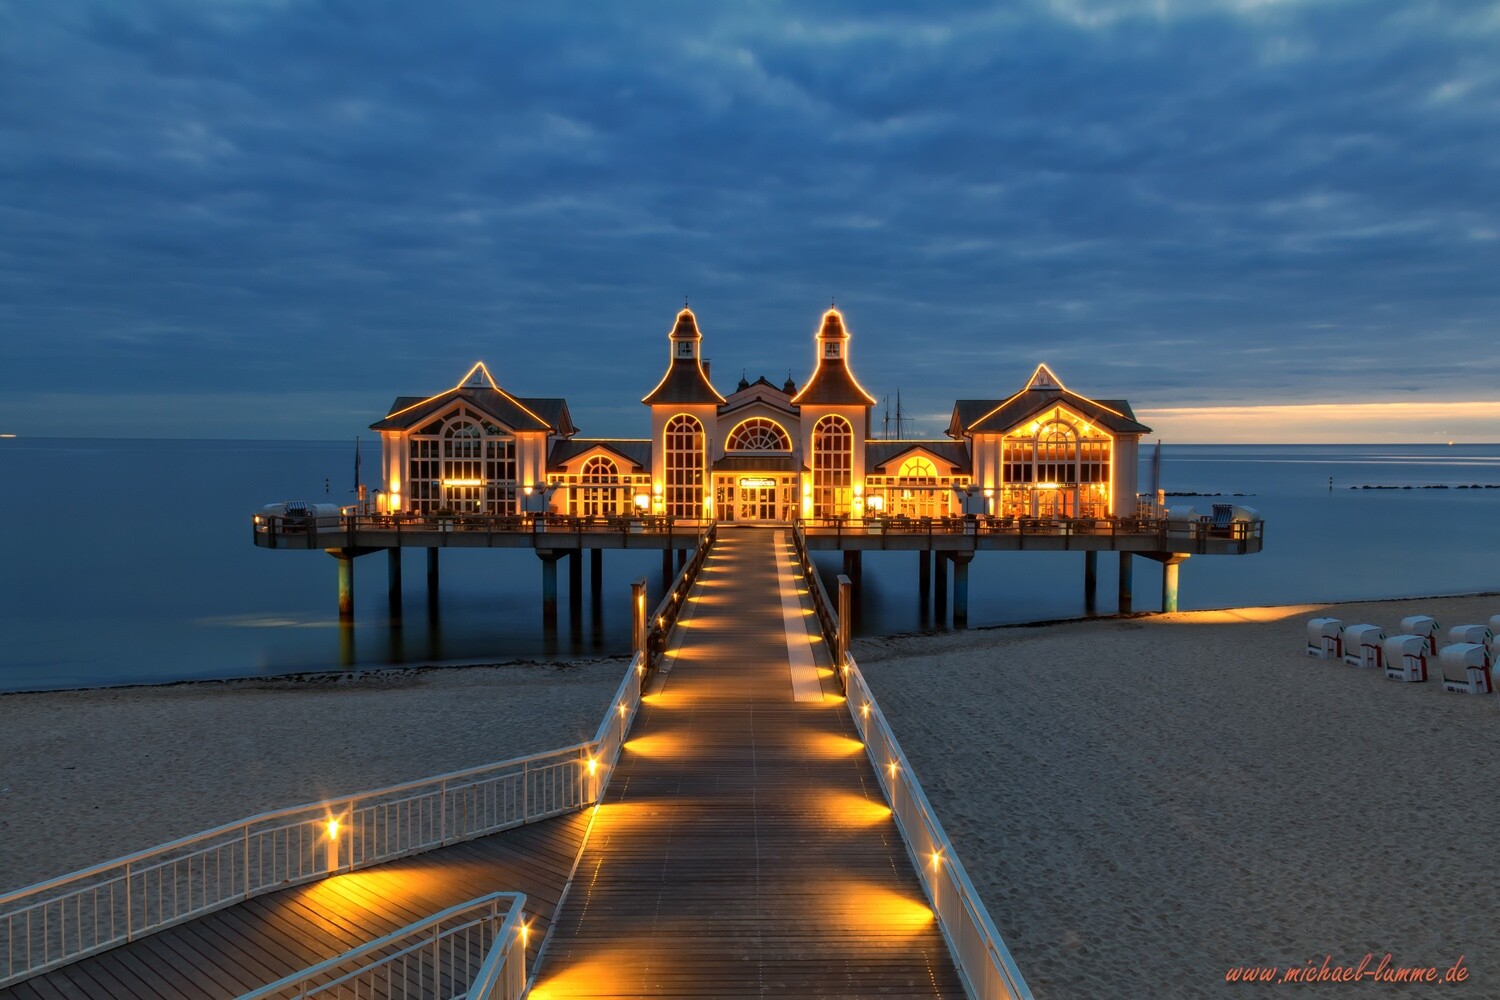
(478, 377)
(1044, 378)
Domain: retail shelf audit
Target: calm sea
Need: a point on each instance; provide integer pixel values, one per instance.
(131, 561)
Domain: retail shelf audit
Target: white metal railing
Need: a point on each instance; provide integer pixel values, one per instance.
(473, 951)
(983, 960)
(64, 919)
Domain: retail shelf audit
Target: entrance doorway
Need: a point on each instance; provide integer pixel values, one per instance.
(756, 503)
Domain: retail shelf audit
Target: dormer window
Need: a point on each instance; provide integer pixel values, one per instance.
(831, 349)
(684, 350)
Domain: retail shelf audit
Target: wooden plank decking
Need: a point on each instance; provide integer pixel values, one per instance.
(240, 948)
(743, 847)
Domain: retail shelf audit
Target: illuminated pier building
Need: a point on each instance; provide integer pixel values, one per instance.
(764, 453)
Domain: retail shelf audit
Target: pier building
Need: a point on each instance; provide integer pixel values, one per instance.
(764, 453)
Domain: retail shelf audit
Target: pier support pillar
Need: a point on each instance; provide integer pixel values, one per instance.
(1169, 581)
(346, 587)
(575, 582)
(596, 572)
(549, 585)
(854, 567)
(1090, 581)
(432, 577)
(393, 580)
(961, 562)
(940, 586)
(666, 569)
(682, 558)
(1127, 571)
(924, 580)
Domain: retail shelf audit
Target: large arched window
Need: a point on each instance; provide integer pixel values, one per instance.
(1057, 454)
(462, 462)
(683, 448)
(833, 458)
(758, 434)
(598, 491)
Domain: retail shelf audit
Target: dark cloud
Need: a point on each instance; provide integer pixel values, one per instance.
(1185, 203)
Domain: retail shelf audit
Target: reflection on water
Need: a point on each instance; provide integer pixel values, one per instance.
(135, 563)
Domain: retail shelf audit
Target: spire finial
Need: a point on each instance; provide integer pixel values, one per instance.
(684, 300)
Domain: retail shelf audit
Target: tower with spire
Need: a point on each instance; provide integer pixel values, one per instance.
(835, 412)
(684, 410)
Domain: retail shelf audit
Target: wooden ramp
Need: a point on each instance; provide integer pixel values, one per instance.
(235, 950)
(743, 847)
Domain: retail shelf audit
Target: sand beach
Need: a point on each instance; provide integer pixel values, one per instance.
(1146, 803)
(87, 776)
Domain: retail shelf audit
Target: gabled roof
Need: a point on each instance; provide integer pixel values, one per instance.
(635, 453)
(955, 453)
(478, 390)
(1042, 392)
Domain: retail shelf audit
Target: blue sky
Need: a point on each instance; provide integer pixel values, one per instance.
(266, 219)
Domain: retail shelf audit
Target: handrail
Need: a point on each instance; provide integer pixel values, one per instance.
(664, 616)
(983, 960)
(426, 951)
(1199, 530)
(301, 526)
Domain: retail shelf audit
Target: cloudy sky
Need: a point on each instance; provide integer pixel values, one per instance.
(266, 218)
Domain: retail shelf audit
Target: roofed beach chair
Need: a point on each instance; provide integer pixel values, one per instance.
(1406, 658)
(1362, 646)
(1471, 633)
(1466, 668)
(1325, 638)
(1423, 625)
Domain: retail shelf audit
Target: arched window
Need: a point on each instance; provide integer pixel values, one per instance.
(683, 448)
(758, 434)
(833, 458)
(462, 462)
(597, 491)
(917, 468)
(1057, 454)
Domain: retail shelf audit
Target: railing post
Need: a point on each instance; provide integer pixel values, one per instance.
(526, 791)
(841, 642)
(638, 619)
(130, 908)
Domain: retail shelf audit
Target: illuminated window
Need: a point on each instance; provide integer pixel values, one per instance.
(833, 457)
(1016, 461)
(597, 492)
(462, 463)
(916, 490)
(1057, 454)
(683, 448)
(759, 434)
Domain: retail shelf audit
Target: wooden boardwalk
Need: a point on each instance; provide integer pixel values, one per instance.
(235, 950)
(743, 847)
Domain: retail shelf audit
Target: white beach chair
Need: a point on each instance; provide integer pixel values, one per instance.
(1422, 625)
(1495, 624)
(1406, 658)
(1325, 638)
(1466, 668)
(1362, 646)
(1480, 634)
